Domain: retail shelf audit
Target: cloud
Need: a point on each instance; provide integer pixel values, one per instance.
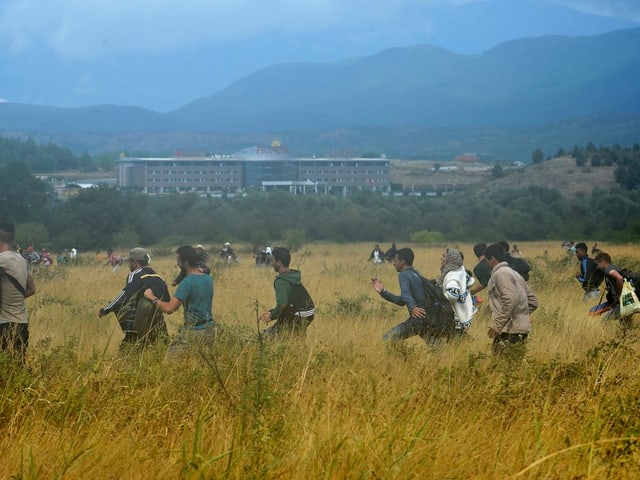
(89, 28)
(79, 28)
(624, 9)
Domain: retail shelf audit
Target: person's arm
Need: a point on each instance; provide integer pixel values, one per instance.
(166, 307)
(31, 286)
(619, 279)
(133, 285)
(282, 289)
(386, 294)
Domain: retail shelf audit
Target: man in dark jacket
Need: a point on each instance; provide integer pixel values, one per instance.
(294, 310)
(127, 303)
(412, 295)
(589, 276)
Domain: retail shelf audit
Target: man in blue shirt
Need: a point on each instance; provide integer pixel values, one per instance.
(412, 295)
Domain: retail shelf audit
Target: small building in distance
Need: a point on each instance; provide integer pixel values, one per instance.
(467, 158)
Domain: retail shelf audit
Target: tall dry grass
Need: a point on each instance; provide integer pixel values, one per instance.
(339, 405)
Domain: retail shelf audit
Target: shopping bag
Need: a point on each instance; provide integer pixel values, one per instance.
(629, 303)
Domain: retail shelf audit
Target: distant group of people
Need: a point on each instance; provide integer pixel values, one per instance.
(380, 256)
(45, 258)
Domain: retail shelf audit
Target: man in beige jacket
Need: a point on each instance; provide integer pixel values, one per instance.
(511, 302)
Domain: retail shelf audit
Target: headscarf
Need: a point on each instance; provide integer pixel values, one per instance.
(452, 261)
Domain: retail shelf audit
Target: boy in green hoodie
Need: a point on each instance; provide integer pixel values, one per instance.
(294, 309)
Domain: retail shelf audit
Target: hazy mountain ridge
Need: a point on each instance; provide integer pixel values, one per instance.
(396, 95)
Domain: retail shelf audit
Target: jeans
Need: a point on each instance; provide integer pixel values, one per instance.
(410, 327)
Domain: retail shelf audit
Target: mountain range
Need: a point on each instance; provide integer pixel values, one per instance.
(522, 84)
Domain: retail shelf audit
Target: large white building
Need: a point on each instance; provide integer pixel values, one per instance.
(254, 168)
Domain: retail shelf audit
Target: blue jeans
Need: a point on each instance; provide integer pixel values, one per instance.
(410, 327)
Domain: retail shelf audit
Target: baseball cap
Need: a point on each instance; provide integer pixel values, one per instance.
(139, 254)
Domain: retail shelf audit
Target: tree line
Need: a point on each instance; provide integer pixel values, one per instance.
(101, 217)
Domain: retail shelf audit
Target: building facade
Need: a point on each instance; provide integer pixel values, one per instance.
(255, 168)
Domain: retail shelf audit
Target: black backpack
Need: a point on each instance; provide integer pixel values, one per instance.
(300, 304)
(440, 313)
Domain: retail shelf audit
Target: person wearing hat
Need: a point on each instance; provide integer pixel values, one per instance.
(139, 323)
(16, 284)
(227, 253)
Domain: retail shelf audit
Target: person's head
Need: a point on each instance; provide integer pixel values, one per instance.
(603, 260)
(7, 234)
(581, 250)
(504, 245)
(281, 258)
(403, 259)
(203, 256)
(452, 258)
(494, 254)
(138, 257)
(479, 248)
(186, 256)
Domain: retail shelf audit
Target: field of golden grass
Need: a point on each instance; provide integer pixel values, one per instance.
(341, 404)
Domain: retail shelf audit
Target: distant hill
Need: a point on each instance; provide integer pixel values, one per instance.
(520, 82)
(560, 174)
(413, 102)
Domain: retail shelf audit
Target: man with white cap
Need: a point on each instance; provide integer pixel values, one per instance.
(140, 321)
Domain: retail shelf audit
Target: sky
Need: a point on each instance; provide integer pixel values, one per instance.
(162, 54)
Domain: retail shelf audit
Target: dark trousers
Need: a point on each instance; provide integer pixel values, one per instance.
(510, 345)
(14, 339)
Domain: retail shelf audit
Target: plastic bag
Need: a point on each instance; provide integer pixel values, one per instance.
(629, 303)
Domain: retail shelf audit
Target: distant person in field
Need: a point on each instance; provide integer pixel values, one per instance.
(294, 310)
(481, 271)
(129, 306)
(589, 275)
(195, 295)
(377, 255)
(455, 282)
(520, 265)
(515, 251)
(613, 280)
(16, 284)
(511, 302)
(389, 254)
(412, 295)
(114, 260)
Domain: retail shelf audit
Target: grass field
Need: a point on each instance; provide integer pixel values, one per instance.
(339, 405)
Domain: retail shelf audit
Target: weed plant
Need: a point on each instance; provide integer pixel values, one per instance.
(338, 404)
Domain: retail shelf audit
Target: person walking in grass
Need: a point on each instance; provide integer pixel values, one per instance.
(294, 310)
(412, 295)
(589, 276)
(16, 284)
(195, 295)
(141, 325)
(511, 302)
(455, 282)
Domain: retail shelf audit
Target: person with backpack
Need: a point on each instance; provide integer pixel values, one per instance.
(589, 276)
(455, 282)
(16, 284)
(511, 302)
(294, 310)
(518, 264)
(141, 323)
(613, 280)
(412, 295)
